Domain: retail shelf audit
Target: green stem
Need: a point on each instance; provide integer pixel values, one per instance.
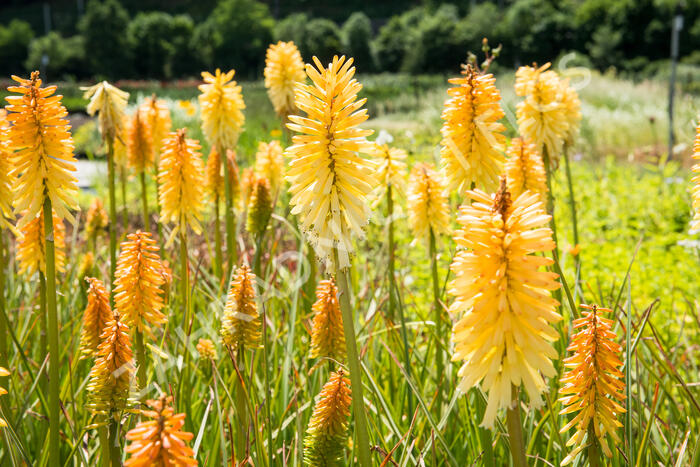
(144, 202)
(484, 434)
(217, 239)
(43, 317)
(593, 450)
(125, 211)
(185, 280)
(574, 217)
(114, 445)
(4, 337)
(515, 432)
(159, 227)
(105, 454)
(232, 252)
(392, 256)
(241, 407)
(361, 432)
(140, 358)
(550, 211)
(112, 216)
(437, 310)
(54, 348)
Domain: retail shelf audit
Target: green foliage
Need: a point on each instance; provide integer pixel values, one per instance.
(476, 25)
(322, 39)
(103, 26)
(14, 46)
(356, 34)
(239, 32)
(396, 37)
(432, 46)
(293, 28)
(57, 56)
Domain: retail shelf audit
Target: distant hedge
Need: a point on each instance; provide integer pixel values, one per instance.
(430, 37)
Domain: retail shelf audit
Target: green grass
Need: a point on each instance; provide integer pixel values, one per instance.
(633, 217)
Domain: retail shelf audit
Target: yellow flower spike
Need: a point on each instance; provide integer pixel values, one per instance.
(7, 176)
(221, 103)
(269, 163)
(3, 372)
(327, 435)
(524, 169)
(695, 191)
(260, 206)
(109, 102)
(110, 384)
(284, 68)
(247, 181)
(139, 147)
(572, 111)
(157, 115)
(427, 203)
(96, 316)
(120, 144)
(137, 285)
(327, 335)
(206, 349)
(542, 116)
(87, 262)
(214, 178)
(329, 180)
(472, 136)
(160, 441)
(390, 169)
(593, 387)
(31, 252)
(181, 183)
(43, 150)
(241, 324)
(504, 335)
(96, 218)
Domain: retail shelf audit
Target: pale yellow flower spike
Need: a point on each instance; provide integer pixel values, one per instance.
(329, 180)
(283, 69)
(472, 136)
(525, 169)
(504, 335)
(6, 175)
(43, 150)
(695, 223)
(109, 103)
(427, 202)
(181, 183)
(572, 111)
(390, 169)
(269, 163)
(158, 119)
(542, 116)
(222, 105)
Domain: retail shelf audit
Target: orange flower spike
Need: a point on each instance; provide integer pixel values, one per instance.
(43, 150)
(427, 202)
(327, 335)
(96, 316)
(139, 144)
(159, 442)
(137, 286)
(695, 190)
(31, 252)
(6, 174)
(593, 387)
(158, 119)
(241, 325)
(524, 169)
(96, 218)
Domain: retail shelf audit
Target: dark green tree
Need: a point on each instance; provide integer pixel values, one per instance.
(293, 28)
(322, 39)
(157, 40)
(356, 35)
(57, 57)
(103, 26)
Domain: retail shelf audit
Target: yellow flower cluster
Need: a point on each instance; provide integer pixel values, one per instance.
(390, 169)
(206, 349)
(695, 223)
(181, 183)
(137, 284)
(327, 335)
(327, 433)
(31, 245)
(269, 163)
(504, 334)
(260, 206)
(214, 184)
(221, 103)
(157, 116)
(96, 218)
(96, 316)
(329, 180)
(472, 136)
(109, 102)
(240, 326)
(594, 384)
(428, 209)
(525, 169)
(160, 441)
(43, 150)
(139, 145)
(283, 69)
(6, 174)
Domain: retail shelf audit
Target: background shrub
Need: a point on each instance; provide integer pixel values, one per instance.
(14, 46)
(104, 27)
(322, 39)
(57, 57)
(356, 34)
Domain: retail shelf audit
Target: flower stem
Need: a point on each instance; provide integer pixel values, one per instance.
(437, 310)
(392, 256)
(232, 252)
(144, 202)
(184, 280)
(112, 216)
(125, 211)
(105, 454)
(593, 451)
(43, 317)
(54, 348)
(241, 407)
(574, 217)
(159, 227)
(550, 211)
(358, 400)
(217, 239)
(114, 446)
(515, 432)
(4, 337)
(140, 358)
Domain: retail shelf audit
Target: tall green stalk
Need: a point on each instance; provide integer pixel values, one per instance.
(54, 348)
(593, 449)
(112, 216)
(218, 253)
(515, 432)
(358, 401)
(125, 210)
(550, 198)
(437, 310)
(574, 217)
(257, 270)
(232, 252)
(140, 358)
(159, 227)
(114, 445)
(43, 316)
(392, 255)
(185, 280)
(105, 451)
(241, 406)
(4, 337)
(144, 202)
